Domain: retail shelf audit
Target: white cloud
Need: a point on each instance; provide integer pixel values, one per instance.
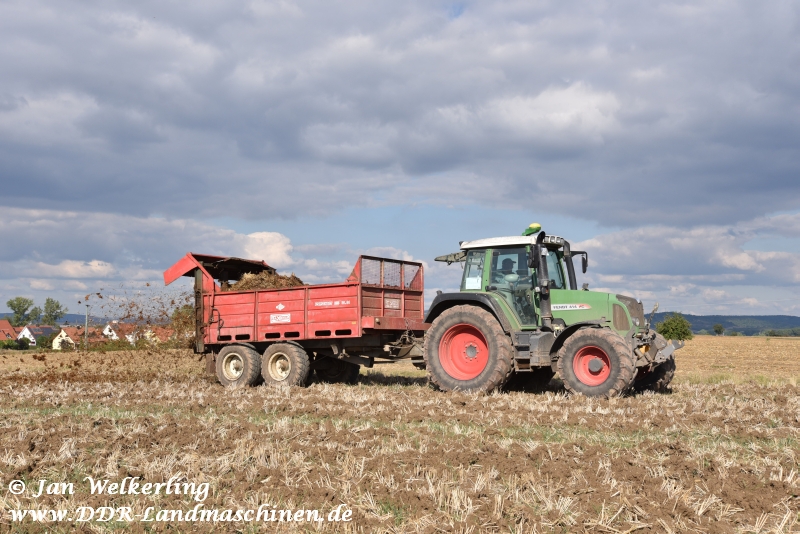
(76, 269)
(712, 295)
(45, 285)
(576, 111)
(272, 247)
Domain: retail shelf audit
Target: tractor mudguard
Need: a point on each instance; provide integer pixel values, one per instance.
(567, 332)
(445, 301)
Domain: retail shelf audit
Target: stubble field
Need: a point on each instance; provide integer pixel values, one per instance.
(718, 454)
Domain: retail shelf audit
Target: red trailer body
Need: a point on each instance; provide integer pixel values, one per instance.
(380, 302)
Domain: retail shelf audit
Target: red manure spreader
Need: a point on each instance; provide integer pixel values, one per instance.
(285, 336)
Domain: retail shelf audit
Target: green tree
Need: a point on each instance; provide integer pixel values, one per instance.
(719, 329)
(20, 307)
(675, 326)
(53, 312)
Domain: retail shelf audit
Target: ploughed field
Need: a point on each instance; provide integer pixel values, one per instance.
(721, 453)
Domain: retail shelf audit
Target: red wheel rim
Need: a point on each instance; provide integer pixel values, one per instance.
(463, 352)
(592, 366)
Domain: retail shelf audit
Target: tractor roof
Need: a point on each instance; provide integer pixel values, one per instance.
(494, 242)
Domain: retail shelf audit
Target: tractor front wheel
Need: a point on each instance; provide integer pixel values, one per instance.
(238, 365)
(467, 350)
(596, 362)
(285, 364)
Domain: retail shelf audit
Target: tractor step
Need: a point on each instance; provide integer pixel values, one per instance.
(531, 350)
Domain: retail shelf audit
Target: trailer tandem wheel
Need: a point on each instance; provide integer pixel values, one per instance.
(467, 350)
(238, 365)
(285, 364)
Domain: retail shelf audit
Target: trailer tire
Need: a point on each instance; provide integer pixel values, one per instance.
(238, 365)
(466, 349)
(337, 372)
(596, 362)
(536, 380)
(656, 380)
(285, 364)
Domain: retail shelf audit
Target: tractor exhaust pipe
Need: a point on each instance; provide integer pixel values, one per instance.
(539, 262)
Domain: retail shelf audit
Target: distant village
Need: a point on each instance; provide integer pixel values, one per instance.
(76, 337)
(43, 329)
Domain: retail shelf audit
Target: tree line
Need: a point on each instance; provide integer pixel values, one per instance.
(24, 312)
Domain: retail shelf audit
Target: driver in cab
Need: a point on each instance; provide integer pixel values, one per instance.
(508, 266)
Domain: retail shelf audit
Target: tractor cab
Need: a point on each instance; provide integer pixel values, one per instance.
(522, 270)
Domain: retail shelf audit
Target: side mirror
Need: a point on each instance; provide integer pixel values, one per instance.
(584, 258)
(533, 257)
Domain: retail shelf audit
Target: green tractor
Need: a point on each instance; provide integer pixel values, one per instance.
(520, 318)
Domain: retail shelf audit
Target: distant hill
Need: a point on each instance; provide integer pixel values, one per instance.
(746, 324)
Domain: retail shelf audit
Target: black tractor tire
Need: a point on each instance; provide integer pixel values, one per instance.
(596, 362)
(238, 365)
(535, 381)
(486, 361)
(285, 364)
(657, 379)
(333, 371)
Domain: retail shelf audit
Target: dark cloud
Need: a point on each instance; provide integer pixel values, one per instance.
(623, 113)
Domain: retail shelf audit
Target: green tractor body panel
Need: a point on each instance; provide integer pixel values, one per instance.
(579, 306)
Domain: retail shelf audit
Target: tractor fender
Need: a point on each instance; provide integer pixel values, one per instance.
(567, 332)
(446, 301)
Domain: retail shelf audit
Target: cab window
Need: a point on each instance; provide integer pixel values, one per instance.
(510, 261)
(473, 270)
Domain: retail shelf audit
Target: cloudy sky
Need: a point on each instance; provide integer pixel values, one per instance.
(663, 137)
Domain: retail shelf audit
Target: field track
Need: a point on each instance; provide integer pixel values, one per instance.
(721, 453)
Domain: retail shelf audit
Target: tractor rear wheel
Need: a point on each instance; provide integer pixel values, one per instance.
(596, 362)
(467, 350)
(238, 365)
(657, 379)
(333, 371)
(285, 364)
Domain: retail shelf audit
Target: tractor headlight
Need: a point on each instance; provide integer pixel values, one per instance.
(636, 321)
